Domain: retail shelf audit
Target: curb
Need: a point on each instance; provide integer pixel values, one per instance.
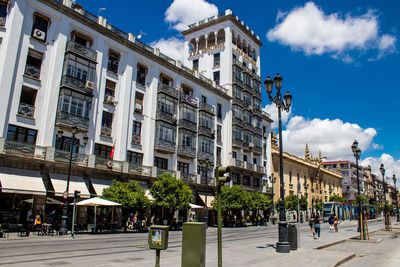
(331, 244)
(344, 260)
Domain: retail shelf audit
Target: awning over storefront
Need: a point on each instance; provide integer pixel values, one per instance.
(59, 182)
(210, 199)
(100, 184)
(21, 181)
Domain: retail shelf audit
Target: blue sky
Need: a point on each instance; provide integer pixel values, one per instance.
(339, 59)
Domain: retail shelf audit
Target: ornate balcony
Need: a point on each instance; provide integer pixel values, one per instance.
(136, 139)
(78, 159)
(71, 120)
(140, 169)
(165, 146)
(165, 116)
(103, 164)
(237, 143)
(207, 108)
(205, 155)
(257, 150)
(189, 177)
(206, 131)
(106, 131)
(237, 121)
(162, 88)
(2, 21)
(81, 50)
(249, 166)
(26, 110)
(77, 84)
(257, 131)
(259, 169)
(32, 71)
(189, 100)
(192, 126)
(161, 171)
(187, 151)
(26, 150)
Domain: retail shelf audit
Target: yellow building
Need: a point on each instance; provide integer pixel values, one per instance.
(316, 182)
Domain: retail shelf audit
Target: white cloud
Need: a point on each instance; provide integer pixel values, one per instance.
(377, 146)
(332, 137)
(392, 166)
(182, 13)
(273, 110)
(307, 28)
(172, 47)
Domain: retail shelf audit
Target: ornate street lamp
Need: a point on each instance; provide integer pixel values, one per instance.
(397, 200)
(283, 244)
(74, 130)
(382, 169)
(272, 178)
(357, 153)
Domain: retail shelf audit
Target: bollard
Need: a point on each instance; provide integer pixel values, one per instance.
(193, 245)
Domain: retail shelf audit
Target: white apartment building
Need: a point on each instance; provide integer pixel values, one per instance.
(64, 70)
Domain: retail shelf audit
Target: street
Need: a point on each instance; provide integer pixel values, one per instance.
(250, 246)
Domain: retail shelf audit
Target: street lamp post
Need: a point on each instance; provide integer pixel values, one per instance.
(397, 200)
(306, 193)
(357, 154)
(283, 245)
(64, 225)
(272, 178)
(382, 169)
(207, 163)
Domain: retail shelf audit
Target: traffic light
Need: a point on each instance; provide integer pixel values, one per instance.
(77, 194)
(223, 175)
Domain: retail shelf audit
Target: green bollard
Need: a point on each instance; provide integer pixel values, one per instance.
(194, 245)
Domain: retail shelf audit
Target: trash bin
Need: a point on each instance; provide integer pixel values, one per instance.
(292, 236)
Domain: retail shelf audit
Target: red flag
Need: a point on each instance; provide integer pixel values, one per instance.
(112, 152)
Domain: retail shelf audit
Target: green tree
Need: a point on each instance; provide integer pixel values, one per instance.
(303, 203)
(233, 199)
(171, 194)
(319, 204)
(360, 198)
(258, 201)
(336, 198)
(130, 195)
(291, 202)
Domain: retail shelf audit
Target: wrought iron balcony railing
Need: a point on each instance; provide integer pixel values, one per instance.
(237, 142)
(77, 84)
(188, 124)
(205, 155)
(257, 150)
(164, 145)
(189, 99)
(32, 71)
(106, 131)
(26, 110)
(165, 116)
(77, 158)
(2, 21)
(249, 166)
(187, 151)
(206, 131)
(168, 90)
(81, 50)
(189, 177)
(161, 171)
(206, 107)
(17, 148)
(136, 139)
(104, 164)
(140, 169)
(72, 119)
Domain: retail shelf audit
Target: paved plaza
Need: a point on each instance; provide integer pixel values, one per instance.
(251, 246)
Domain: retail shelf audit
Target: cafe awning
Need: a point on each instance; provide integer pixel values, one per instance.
(100, 184)
(59, 182)
(21, 181)
(210, 199)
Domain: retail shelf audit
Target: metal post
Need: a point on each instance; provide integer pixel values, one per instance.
(206, 207)
(157, 258)
(64, 225)
(359, 200)
(219, 225)
(73, 219)
(283, 245)
(298, 215)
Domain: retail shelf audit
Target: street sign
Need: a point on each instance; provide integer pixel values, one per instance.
(65, 195)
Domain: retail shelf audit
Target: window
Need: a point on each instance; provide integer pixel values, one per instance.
(238, 74)
(161, 163)
(257, 104)
(195, 64)
(33, 64)
(165, 132)
(246, 180)
(206, 145)
(245, 158)
(79, 68)
(219, 111)
(237, 112)
(110, 89)
(106, 123)
(134, 158)
(219, 133)
(258, 122)
(186, 90)
(234, 154)
(141, 74)
(216, 77)
(256, 86)
(247, 117)
(139, 103)
(102, 151)
(164, 79)
(203, 99)
(27, 102)
(217, 57)
(248, 98)
(188, 113)
(64, 143)
(235, 178)
(206, 120)
(219, 156)
(187, 139)
(238, 133)
(256, 182)
(40, 26)
(255, 161)
(166, 104)
(183, 167)
(137, 128)
(290, 177)
(237, 92)
(3, 12)
(113, 61)
(21, 135)
(247, 79)
(75, 103)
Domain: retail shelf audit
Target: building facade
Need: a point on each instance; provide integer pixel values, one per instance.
(305, 176)
(65, 72)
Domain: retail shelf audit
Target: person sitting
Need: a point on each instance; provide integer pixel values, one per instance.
(38, 224)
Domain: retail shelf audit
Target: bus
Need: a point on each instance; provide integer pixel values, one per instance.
(329, 207)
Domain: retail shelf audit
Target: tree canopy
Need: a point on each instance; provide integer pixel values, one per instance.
(169, 192)
(130, 195)
(337, 198)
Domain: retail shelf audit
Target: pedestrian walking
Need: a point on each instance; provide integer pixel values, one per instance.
(335, 223)
(331, 221)
(311, 223)
(317, 226)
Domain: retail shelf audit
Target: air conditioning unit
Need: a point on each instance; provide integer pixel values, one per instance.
(138, 108)
(250, 107)
(38, 34)
(251, 145)
(89, 85)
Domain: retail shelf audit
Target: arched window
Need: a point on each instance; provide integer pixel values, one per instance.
(202, 42)
(211, 39)
(221, 36)
(192, 45)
